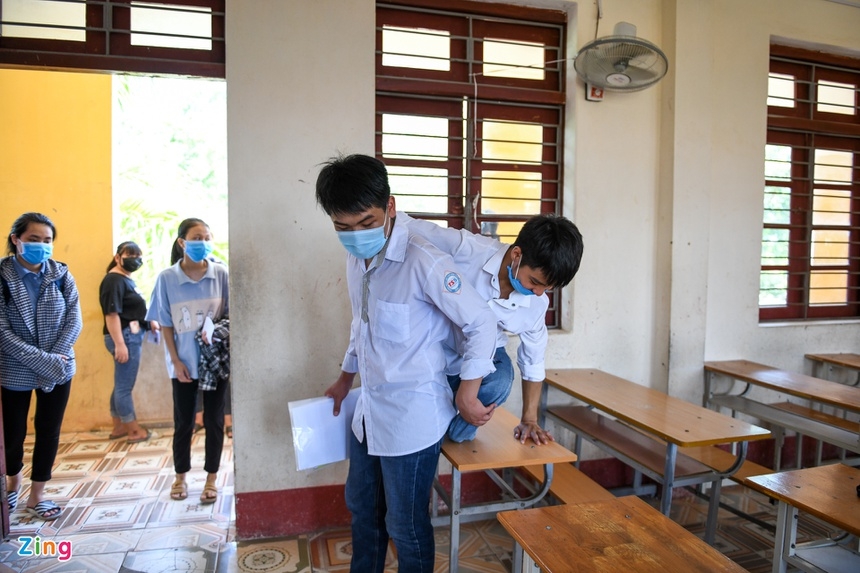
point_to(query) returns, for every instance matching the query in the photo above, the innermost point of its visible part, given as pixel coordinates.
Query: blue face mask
(366, 243)
(518, 286)
(198, 250)
(36, 253)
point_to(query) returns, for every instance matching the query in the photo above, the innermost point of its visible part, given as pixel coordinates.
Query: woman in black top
(125, 326)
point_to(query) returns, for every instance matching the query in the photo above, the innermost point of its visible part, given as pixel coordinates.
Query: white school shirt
(404, 307)
(479, 258)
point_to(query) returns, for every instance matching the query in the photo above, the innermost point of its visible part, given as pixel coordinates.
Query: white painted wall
(665, 184)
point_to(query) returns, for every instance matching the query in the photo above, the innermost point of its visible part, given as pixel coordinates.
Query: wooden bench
(627, 444)
(570, 485)
(722, 460)
(819, 416)
(785, 419)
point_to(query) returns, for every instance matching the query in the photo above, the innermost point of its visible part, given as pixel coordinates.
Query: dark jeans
(50, 408)
(184, 400)
(390, 496)
(495, 389)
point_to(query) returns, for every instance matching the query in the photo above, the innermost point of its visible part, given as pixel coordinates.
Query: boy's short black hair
(553, 245)
(352, 184)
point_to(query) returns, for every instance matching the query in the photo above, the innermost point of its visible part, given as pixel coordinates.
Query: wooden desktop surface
(845, 359)
(623, 534)
(496, 448)
(672, 419)
(828, 492)
(794, 383)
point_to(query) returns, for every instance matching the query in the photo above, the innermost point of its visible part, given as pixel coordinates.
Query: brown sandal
(209, 495)
(179, 490)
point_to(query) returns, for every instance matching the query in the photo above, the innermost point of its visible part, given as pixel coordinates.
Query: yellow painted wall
(55, 158)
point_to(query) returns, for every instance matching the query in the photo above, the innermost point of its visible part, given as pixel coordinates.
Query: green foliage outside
(169, 163)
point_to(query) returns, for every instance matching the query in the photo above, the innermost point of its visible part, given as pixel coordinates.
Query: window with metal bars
(183, 37)
(810, 257)
(469, 113)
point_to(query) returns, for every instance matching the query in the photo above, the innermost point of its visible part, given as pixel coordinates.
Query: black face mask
(131, 264)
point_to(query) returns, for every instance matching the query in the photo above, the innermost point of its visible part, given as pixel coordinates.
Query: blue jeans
(389, 496)
(495, 389)
(125, 375)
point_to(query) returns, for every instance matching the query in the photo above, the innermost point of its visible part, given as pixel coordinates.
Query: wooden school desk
(494, 448)
(669, 422)
(846, 360)
(827, 492)
(622, 534)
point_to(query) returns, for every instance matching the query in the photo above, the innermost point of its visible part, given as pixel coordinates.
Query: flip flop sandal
(43, 510)
(179, 490)
(206, 497)
(12, 499)
(142, 439)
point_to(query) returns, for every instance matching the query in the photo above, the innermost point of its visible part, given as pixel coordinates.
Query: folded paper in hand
(319, 437)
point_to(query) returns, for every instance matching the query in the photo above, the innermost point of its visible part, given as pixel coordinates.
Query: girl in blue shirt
(185, 294)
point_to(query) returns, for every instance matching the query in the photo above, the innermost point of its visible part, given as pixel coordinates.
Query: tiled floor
(119, 518)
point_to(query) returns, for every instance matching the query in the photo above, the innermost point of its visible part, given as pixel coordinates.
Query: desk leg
(668, 478)
(713, 509)
(517, 559)
(784, 539)
(453, 560)
(706, 396)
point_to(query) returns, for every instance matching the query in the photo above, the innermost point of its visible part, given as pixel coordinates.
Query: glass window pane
(835, 97)
(68, 14)
(777, 205)
(828, 287)
(780, 90)
(418, 48)
(510, 193)
(508, 231)
(777, 162)
(831, 207)
(169, 25)
(774, 247)
(832, 166)
(512, 141)
(773, 288)
(830, 247)
(405, 136)
(419, 189)
(510, 59)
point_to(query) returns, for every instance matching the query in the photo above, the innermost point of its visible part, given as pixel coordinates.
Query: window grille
(177, 37)
(810, 258)
(469, 113)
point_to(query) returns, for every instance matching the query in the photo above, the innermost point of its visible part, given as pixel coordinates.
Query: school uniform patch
(453, 284)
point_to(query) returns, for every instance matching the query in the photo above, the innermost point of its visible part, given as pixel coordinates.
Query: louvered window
(176, 37)
(810, 264)
(469, 112)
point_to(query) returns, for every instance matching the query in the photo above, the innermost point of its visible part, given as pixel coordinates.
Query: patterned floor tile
(273, 556)
(207, 536)
(185, 560)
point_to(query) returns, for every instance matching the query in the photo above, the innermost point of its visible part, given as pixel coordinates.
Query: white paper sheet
(318, 436)
(208, 329)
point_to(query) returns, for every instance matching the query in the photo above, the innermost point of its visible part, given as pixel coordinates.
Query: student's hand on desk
(538, 435)
(473, 411)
